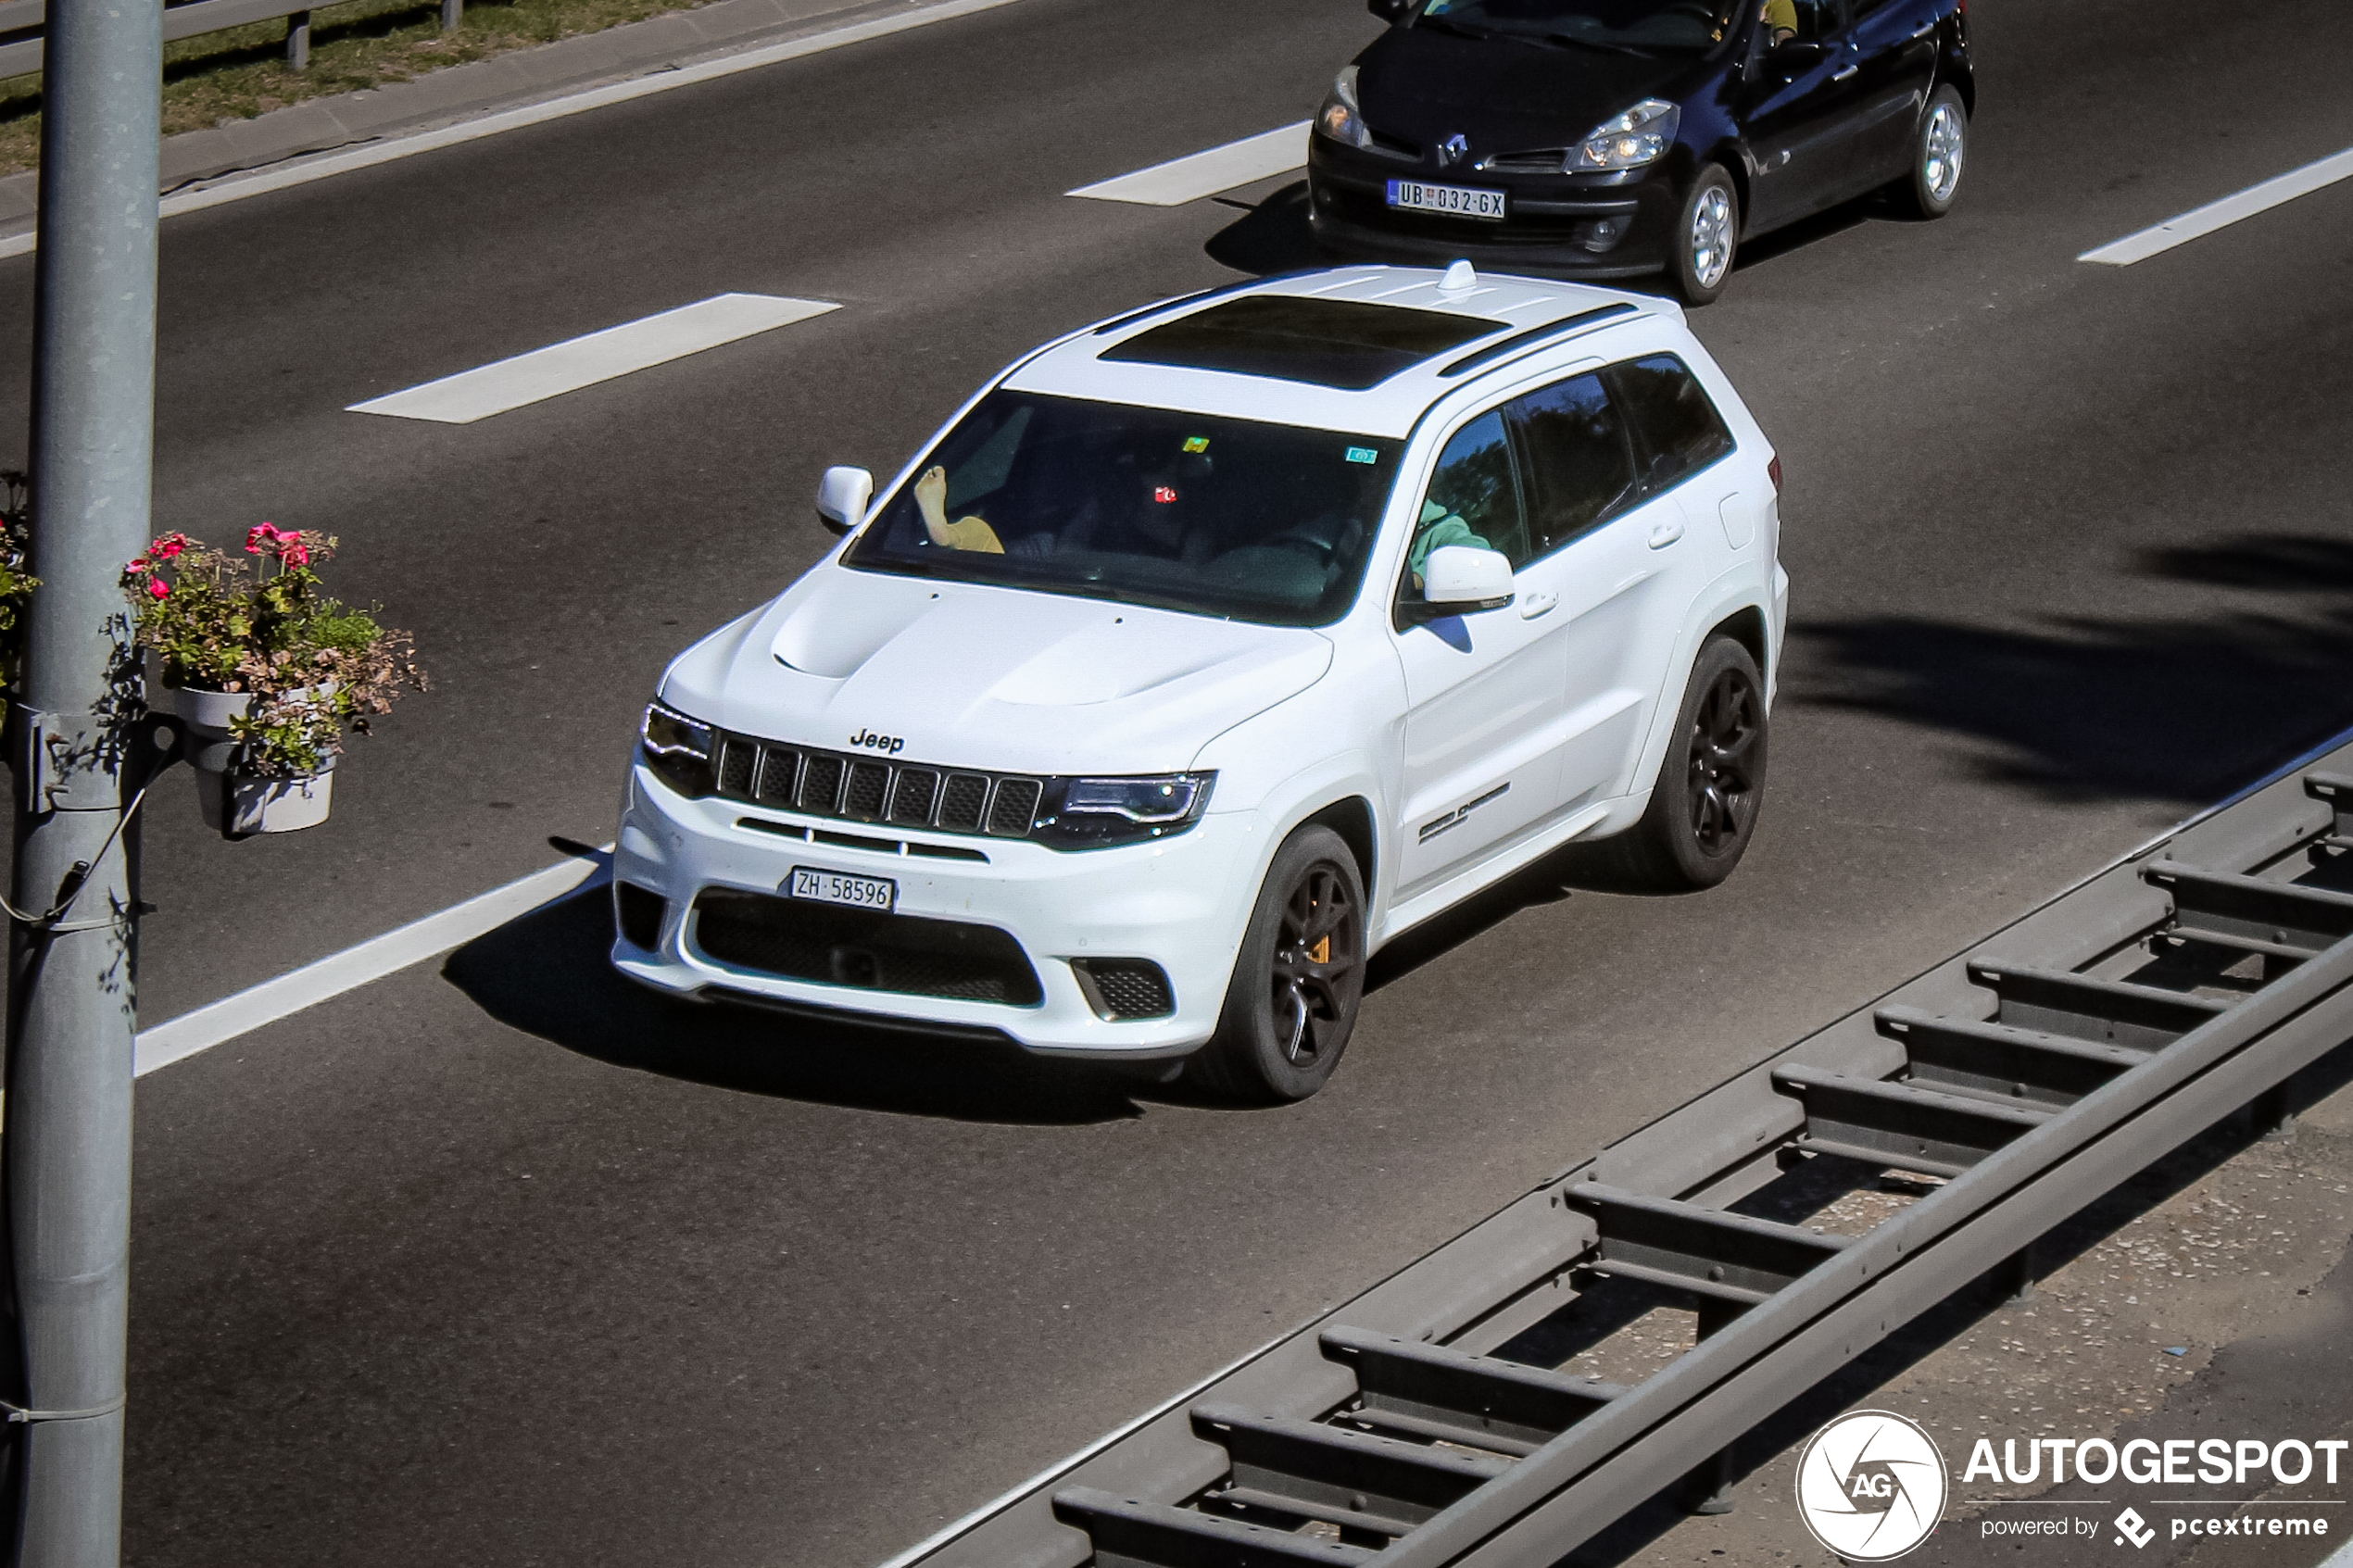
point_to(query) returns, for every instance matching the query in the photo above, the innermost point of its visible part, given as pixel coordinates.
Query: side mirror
(1461, 579)
(1390, 10)
(842, 498)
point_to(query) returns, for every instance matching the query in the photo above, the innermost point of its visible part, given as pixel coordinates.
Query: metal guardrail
(2016, 1084)
(21, 24)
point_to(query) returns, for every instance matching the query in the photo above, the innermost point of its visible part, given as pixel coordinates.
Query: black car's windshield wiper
(1569, 40)
(1443, 25)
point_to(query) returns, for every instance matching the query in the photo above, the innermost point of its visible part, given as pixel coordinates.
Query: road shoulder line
(660, 74)
(180, 1039)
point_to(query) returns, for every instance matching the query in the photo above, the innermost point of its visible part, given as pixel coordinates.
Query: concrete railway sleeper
(1428, 1422)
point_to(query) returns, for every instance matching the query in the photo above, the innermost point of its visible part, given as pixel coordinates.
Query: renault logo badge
(1453, 150)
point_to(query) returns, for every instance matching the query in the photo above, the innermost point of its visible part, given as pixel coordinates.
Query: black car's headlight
(1340, 118)
(677, 748)
(1629, 141)
(1099, 813)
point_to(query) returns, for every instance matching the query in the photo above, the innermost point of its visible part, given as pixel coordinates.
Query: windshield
(1227, 518)
(1639, 26)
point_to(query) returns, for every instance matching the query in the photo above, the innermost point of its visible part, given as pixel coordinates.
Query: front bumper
(1551, 223)
(1181, 903)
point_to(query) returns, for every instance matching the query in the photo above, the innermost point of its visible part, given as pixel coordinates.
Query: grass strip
(240, 72)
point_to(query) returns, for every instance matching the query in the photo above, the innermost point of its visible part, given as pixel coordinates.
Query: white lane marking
(237, 187)
(178, 1038)
(1205, 174)
(2223, 214)
(599, 357)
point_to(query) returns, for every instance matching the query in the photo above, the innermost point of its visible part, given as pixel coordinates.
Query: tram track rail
(1429, 1423)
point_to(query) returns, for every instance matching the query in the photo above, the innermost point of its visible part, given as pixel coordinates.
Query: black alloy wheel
(1711, 783)
(1298, 979)
(1728, 738)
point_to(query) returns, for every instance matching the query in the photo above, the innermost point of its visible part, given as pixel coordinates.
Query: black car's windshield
(1221, 517)
(1633, 26)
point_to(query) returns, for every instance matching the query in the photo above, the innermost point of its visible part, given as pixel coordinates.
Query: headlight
(1340, 119)
(1097, 813)
(677, 748)
(1633, 139)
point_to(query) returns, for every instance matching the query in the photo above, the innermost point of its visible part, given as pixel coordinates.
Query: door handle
(1533, 604)
(1842, 73)
(1666, 534)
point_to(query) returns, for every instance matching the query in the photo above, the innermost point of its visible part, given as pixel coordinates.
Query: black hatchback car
(1608, 138)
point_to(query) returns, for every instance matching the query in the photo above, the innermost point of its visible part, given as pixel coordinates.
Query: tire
(1711, 783)
(1288, 1015)
(1706, 237)
(1939, 153)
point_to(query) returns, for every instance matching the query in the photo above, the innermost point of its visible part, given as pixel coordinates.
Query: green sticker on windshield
(1196, 444)
(1364, 455)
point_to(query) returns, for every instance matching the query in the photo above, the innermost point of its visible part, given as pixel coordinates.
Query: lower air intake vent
(865, 948)
(637, 911)
(1122, 988)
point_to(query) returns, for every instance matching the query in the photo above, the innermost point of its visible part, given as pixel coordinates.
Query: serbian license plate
(1459, 201)
(832, 888)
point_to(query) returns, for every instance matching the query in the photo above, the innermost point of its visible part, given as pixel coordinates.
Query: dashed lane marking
(599, 357)
(2223, 214)
(1204, 174)
(184, 1037)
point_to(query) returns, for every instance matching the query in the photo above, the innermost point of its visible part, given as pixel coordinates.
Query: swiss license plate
(833, 888)
(1459, 201)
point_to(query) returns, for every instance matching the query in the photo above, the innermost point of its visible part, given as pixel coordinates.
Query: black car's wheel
(1707, 234)
(1704, 805)
(1297, 980)
(1938, 150)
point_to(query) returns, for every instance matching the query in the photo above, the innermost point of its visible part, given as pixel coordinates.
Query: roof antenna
(1459, 276)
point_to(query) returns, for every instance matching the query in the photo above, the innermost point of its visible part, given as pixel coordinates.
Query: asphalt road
(500, 1261)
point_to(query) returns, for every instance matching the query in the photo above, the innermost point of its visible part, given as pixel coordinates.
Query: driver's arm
(964, 533)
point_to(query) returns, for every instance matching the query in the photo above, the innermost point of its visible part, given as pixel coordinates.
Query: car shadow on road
(547, 974)
(2178, 708)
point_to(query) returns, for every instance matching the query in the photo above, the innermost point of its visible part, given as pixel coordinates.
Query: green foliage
(16, 582)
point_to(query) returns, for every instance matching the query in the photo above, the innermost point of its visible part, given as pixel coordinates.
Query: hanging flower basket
(266, 669)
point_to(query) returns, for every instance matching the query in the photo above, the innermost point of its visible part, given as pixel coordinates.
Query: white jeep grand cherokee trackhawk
(1208, 650)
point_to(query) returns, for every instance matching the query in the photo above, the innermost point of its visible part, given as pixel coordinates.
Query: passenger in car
(1780, 20)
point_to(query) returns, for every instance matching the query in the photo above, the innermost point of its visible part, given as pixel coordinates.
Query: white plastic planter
(239, 805)
(236, 804)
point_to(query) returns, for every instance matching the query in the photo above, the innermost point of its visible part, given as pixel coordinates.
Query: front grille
(862, 789)
(1119, 988)
(865, 948)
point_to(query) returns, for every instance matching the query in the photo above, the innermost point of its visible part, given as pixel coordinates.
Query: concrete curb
(518, 79)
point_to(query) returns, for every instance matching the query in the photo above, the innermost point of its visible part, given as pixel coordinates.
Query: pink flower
(167, 547)
(139, 564)
(266, 535)
(160, 588)
(294, 555)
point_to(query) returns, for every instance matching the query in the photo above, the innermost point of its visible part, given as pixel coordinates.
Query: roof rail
(1535, 336)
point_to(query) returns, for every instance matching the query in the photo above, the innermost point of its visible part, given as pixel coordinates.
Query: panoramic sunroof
(1341, 344)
